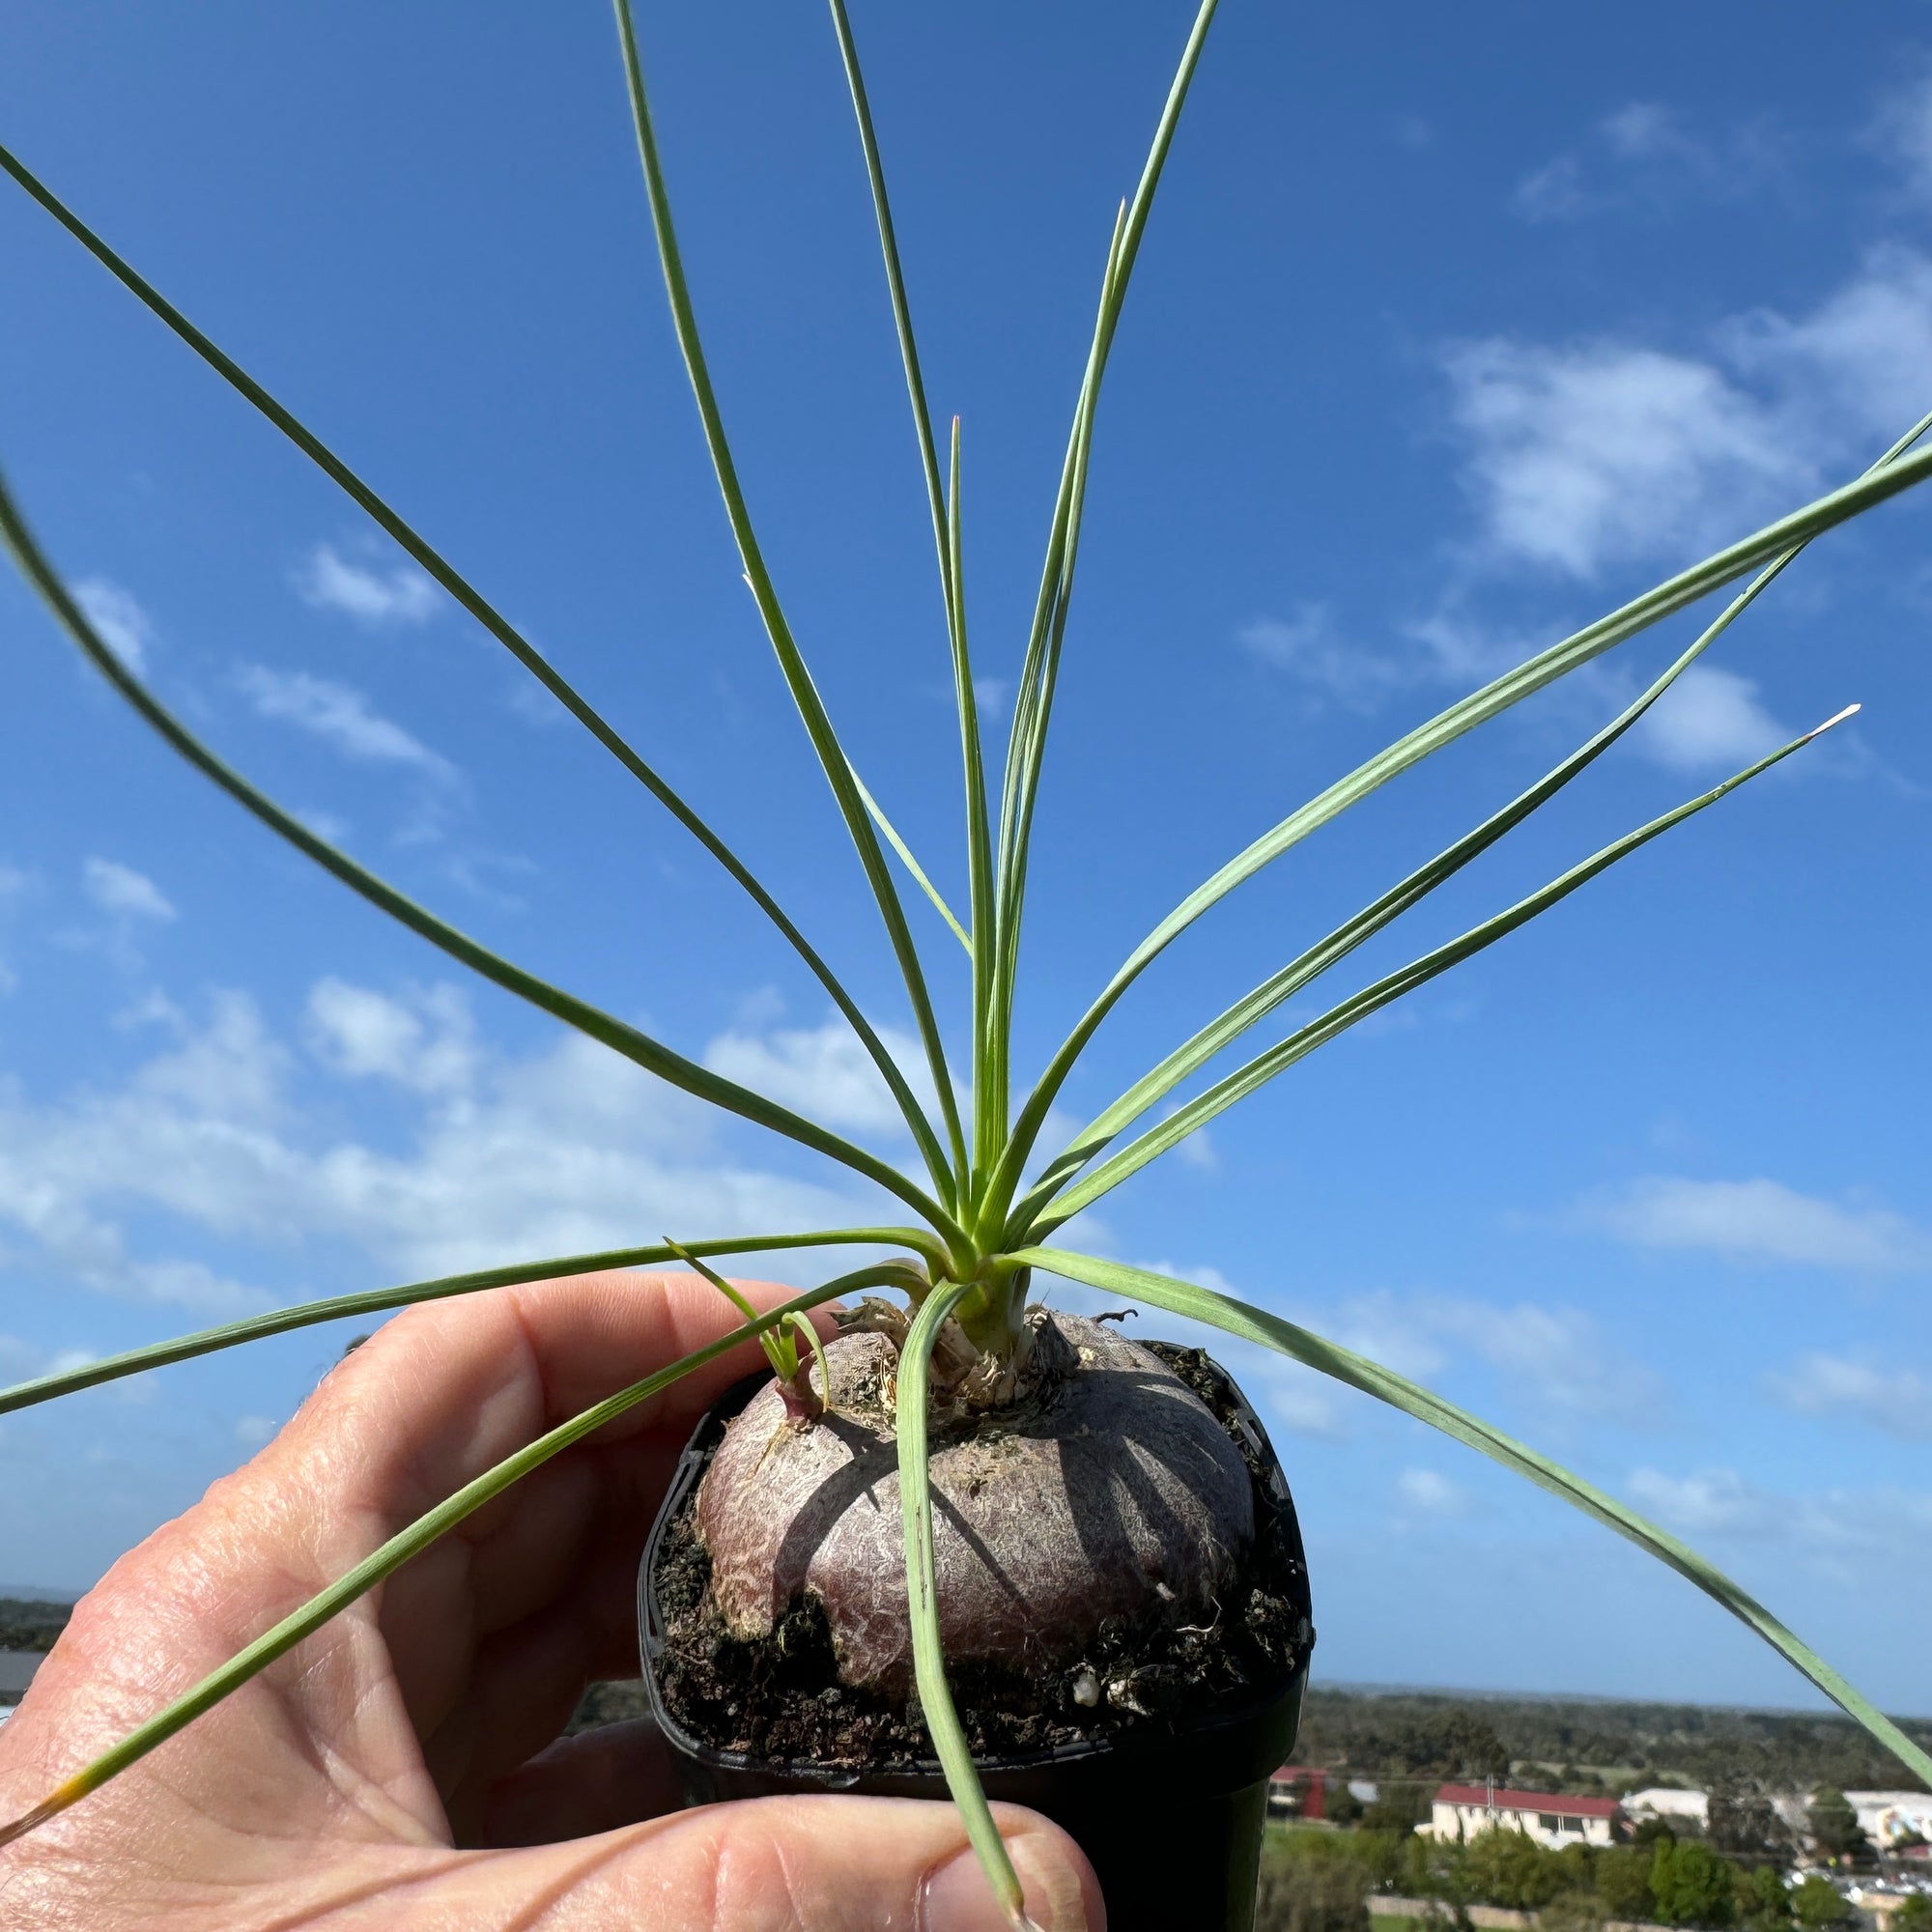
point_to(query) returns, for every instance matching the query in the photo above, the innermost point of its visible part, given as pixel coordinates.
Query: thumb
(794, 1864)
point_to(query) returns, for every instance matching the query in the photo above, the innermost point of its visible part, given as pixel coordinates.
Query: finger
(445, 1392)
(805, 1864)
(596, 1781)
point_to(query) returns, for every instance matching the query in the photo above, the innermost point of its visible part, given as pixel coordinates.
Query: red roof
(1505, 1799)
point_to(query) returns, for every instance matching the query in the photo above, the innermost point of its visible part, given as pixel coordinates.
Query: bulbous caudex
(1078, 1481)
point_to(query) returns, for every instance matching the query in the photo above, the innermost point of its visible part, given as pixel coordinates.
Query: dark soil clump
(779, 1697)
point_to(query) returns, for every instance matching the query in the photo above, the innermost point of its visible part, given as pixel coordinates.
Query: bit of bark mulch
(779, 1697)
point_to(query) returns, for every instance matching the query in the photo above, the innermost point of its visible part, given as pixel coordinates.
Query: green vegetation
(1834, 1826)
(1667, 1882)
(1590, 1744)
(1817, 1906)
(30, 1624)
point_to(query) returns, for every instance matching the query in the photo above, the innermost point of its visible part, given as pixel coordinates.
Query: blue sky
(1449, 333)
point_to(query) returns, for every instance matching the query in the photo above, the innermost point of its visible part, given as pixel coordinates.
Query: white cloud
(1433, 1494)
(340, 717)
(1896, 1399)
(1759, 1220)
(251, 1432)
(822, 1072)
(123, 625)
(989, 695)
(426, 1045)
(1596, 453)
(1557, 1358)
(1841, 1532)
(1601, 453)
(399, 595)
(1553, 1360)
(1310, 647)
(123, 891)
(1710, 717)
(568, 1150)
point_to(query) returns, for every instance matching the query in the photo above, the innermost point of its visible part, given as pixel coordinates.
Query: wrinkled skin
(392, 1770)
(1112, 1494)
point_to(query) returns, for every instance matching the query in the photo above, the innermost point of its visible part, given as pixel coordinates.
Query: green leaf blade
(1359, 1372)
(443, 1288)
(936, 1694)
(825, 743)
(1042, 1214)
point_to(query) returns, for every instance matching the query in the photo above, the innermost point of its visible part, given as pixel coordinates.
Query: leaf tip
(1837, 718)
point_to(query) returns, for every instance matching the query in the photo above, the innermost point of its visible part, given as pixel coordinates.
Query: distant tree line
(1556, 1744)
(1323, 1881)
(31, 1625)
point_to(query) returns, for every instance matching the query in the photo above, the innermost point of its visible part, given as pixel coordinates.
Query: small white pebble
(1086, 1690)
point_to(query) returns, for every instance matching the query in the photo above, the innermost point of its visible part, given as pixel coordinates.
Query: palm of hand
(392, 1769)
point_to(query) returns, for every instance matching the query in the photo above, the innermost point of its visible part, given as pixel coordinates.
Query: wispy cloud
(1645, 157)
(1842, 1526)
(121, 891)
(1902, 130)
(1310, 647)
(824, 1072)
(1582, 457)
(1427, 1492)
(1896, 1400)
(1709, 718)
(341, 717)
(398, 595)
(567, 1149)
(1758, 1220)
(124, 626)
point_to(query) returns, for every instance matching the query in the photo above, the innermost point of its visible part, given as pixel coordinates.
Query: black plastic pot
(1169, 1812)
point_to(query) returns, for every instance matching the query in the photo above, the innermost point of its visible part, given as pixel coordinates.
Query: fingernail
(959, 1895)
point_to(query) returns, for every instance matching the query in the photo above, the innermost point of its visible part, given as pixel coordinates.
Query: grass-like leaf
(1042, 1217)
(1034, 703)
(935, 1695)
(832, 756)
(438, 567)
(410, 1542)
(1256, 1324)
(910, 862)
(602, 1027)
(1534, 674)
(942, 505)
(380, 1301)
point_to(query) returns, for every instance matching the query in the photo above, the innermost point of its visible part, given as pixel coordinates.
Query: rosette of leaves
(991, 1195)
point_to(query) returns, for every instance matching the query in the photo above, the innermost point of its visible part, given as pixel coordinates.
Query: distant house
(1301, 1791)
(1675, 1806)
(1549, 1817)
(1893, 1818)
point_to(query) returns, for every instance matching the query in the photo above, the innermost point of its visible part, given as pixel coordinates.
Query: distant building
(1667, 1802)
(1301, 1791)
(1891, 1818)
(1549, 1817)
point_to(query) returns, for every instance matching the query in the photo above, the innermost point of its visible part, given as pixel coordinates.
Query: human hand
(397, 1769)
